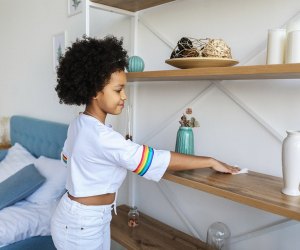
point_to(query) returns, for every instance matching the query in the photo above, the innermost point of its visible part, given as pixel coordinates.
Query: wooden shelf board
(150, 234)
(278, 71)
(131, 5)
(254, 189)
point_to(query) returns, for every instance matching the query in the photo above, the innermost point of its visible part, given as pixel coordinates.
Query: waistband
(71, 203)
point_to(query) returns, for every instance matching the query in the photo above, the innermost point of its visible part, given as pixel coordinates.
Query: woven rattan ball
(216, 48)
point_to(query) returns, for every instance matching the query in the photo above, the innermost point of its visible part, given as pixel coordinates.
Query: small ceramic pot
(135, 64)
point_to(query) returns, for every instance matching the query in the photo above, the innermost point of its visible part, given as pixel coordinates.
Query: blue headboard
(40, 137)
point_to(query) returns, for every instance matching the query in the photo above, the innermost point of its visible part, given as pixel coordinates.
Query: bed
(40, 142)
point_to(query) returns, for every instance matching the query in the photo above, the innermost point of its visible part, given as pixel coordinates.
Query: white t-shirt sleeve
(64, 156)
(140, 159)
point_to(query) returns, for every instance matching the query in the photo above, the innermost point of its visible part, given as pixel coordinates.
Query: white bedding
(24, 220)
(30, 217)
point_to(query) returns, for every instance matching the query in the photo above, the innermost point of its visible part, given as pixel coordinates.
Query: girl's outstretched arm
(187, 162)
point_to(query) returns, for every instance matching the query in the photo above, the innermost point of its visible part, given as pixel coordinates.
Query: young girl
(91, 73)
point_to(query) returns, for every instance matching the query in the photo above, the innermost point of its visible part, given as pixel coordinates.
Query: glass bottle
(133, 217)
(218, 235)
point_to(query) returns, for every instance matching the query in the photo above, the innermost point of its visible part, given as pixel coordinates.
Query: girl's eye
(118, 90)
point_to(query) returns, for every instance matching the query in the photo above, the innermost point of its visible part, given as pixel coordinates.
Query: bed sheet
(24, 220)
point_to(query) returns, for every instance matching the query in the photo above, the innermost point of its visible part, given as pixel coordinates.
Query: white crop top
(97, 158)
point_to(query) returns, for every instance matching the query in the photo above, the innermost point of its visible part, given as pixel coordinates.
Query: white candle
(293, 47)
(276, 46)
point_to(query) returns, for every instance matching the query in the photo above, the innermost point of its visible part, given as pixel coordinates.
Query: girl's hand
(224, 168)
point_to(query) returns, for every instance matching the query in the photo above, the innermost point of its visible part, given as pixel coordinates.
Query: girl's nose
(123, 95)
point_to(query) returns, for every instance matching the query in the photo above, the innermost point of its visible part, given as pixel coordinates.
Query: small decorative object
(216, 48)
(135, 64)
(203, 47)
(198, 53)
(276, 46)
(133, 217)
(185, 135)
(59, 42)
(187, 47)
(218, 235)
(185, 141)
(291, 163)
(293, 47)
(74, 7)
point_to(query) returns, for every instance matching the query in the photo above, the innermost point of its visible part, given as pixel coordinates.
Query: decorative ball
(216, 48)
(184, 43)
(135, 64)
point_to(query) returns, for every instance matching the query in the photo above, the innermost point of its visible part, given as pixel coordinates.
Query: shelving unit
(150, 234)
(279, 71)
(254, 189)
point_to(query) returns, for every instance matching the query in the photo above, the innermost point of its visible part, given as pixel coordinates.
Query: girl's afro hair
(86, 68)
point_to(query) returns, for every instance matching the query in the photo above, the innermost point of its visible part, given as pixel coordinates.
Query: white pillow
(17, 158)
(54, 186)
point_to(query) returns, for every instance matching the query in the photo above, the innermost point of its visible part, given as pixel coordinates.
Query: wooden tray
(200, 62)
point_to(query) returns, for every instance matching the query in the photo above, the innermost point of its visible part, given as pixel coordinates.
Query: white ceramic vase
(291, 163)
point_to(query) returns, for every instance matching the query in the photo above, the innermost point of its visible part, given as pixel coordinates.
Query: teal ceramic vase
(185, 141)
(135, 64)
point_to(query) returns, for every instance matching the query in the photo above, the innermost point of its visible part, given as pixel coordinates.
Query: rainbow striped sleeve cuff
(64, 158)
(145, 162)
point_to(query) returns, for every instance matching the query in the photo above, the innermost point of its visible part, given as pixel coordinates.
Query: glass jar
(133, 217)
(218, 235)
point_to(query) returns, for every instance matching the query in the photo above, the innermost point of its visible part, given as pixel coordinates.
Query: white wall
(27, 78)
(228, 129)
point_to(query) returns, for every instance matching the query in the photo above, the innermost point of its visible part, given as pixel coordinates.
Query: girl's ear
(96, 96)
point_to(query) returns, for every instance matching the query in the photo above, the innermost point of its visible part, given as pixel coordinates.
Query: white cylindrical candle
(293, 47)
(276, 46)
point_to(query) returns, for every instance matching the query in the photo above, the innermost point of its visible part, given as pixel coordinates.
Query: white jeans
(75, 226)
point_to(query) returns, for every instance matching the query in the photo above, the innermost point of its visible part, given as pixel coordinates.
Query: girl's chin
(117, 112)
